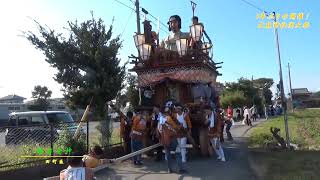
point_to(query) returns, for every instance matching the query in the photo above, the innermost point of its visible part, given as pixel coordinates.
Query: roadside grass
(304, 130)
(285, 165)
(95, 136)
(11, 155)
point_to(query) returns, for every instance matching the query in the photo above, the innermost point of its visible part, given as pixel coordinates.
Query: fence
(27, 145)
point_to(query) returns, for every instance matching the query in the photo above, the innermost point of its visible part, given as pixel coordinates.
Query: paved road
(236, 167)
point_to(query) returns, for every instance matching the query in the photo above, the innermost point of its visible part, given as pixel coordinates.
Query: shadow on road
(236, 167)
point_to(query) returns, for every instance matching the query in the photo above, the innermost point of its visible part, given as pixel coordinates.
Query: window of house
(61, 107)
(17, 108)
(10, 108)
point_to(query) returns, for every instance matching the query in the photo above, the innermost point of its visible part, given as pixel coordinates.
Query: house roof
(12, 97)
(52, 101)
(300, 91)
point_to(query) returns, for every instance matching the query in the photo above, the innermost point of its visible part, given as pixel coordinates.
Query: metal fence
(29, 144)
(23, 146)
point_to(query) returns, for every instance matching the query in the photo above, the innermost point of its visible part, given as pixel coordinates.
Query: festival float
(186, 75)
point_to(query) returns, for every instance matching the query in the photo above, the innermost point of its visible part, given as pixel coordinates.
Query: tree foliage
(86, 61)
(256, 91)
(233, 98)
(264, 84)
(41, 96)
(132, 91)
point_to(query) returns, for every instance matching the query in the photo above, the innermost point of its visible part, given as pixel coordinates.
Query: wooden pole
(83, 119)
(283, 102)
(290, 87)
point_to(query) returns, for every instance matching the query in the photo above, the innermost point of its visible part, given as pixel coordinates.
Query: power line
(125, 5)
(254, 6)
(159, 20)
(147, 13)
(126, 23)
(160, 27)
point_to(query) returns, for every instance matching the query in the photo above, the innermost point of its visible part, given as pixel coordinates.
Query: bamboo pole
(83, 119)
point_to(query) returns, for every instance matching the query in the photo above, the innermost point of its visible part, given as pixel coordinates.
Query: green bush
(233, 98)
(304, 129)
(66, 140)
(261, 139)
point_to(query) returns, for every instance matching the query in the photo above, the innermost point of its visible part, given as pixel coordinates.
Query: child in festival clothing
(214, 123)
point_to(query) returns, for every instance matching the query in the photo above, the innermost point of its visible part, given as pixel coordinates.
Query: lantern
(182, 45)
(206, 47)
(144, 50)
(139, 39)
(196, 32)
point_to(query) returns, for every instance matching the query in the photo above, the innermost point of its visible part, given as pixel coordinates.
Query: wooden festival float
(166, 76)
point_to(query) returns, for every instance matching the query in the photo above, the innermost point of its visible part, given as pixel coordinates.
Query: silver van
(38, 126)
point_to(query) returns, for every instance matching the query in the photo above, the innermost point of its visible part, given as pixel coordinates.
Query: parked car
(38, 126)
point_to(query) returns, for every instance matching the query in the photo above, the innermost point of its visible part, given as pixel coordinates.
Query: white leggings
(217, 147)
(182, 142)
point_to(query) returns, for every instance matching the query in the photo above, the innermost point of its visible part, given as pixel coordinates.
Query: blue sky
(232, 25)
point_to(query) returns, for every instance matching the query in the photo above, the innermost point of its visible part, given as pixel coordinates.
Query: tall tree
(233, 98)
(255, 91)
(41, 96)
(87, 64)
(264, 85)
(132, 91)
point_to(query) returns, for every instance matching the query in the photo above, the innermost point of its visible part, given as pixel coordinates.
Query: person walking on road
(214, 121)
(137, 135)
(229, 122)
(222, 125)
(254, 112)
(266, 111)
(168, 129)
(184, 120)
(247, 116)
(155, 135)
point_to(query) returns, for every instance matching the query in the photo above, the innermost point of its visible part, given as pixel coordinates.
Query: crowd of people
(171, 126)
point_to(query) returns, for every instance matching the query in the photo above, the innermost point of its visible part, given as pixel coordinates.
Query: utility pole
(284, 105)
(138, 16)
(290, 87)
(138, 32)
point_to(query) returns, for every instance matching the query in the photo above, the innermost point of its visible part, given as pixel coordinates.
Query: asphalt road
(236, 167)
